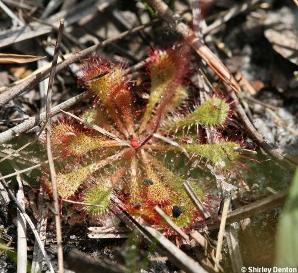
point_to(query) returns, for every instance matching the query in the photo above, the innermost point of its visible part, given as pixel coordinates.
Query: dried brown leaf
(9, 58)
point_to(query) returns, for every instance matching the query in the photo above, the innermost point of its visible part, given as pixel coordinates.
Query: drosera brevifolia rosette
(123, 153)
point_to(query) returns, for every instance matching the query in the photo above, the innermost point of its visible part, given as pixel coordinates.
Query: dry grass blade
(21, 226)
(108, 232)
(257, 207)
(10, 58)
(184, 262)
(171, 142)
(15, 19)
(42, 229)
(221, 232)
(23, 171)
(16, 4)
(199, 239)
(171, 224)
(52, 5)
(15, 152)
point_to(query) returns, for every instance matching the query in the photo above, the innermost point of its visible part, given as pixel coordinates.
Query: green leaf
(99, 196)
(82, 144)
(287, 235)
(4, 247)
(216, 153)
(212, 112)
(150, 10)
(97, 116)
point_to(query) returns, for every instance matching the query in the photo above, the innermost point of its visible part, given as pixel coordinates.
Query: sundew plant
(119, 148)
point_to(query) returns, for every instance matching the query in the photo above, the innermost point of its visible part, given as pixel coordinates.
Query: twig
(15, 152)
(267, 203)
(50, 155)
(171, 223)
(21, 226)
(43, 86)
(68, 36)
(256, 101)
(24, 170)
(245, 84)
(221, 232)
(281, 122)
(53, 70)
(30, 223)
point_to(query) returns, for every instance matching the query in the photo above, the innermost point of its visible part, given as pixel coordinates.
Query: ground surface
(257, 43)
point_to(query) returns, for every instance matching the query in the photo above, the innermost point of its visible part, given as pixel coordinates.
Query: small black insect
(148, 182)
(177, 211)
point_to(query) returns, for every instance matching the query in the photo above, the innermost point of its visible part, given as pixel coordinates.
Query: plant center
(134, 143)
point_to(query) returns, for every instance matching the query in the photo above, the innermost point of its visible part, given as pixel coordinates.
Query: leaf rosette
(125, 155)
